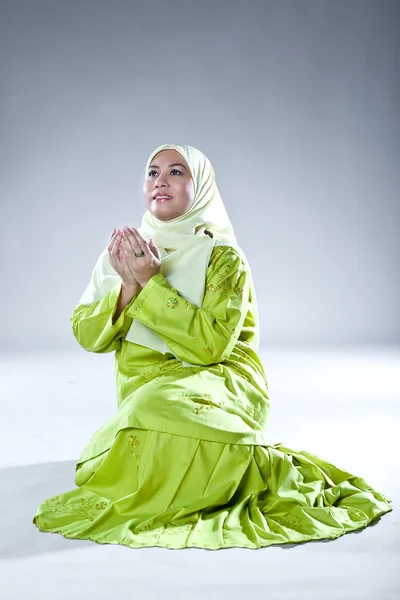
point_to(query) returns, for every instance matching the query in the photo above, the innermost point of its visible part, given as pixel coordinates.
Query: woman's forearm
(125, 296)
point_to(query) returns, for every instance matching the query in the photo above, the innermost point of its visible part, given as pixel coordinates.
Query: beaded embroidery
(202, 403)
(292, 521)
(224, 290)
(200, 409)
(84, 507)
(166, 369)
(41, 523)
(253, 412)
(144, 527)
(273, 526)
(244, 346)
(338, 511)
(163, 529)
(133, 442)
(168, 528)
(240, 371)
(172, 302)
(189, 306)
(173, 528)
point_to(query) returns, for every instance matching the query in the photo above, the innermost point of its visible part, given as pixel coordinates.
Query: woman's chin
(162, 211)
(162, 214)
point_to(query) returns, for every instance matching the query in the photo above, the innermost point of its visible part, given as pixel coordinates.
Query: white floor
(342, 404)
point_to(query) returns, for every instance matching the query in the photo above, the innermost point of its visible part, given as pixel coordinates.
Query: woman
(185, 460)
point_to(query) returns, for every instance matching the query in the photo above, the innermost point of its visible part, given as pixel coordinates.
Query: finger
(154, 249)
(131, 239)
(124, 256)
(143, 246)
(120, 254)
(114, 240)
(121, 250)
(139, 237)
(111, 236)
(115, 245)
(119, 242)
(111, 243)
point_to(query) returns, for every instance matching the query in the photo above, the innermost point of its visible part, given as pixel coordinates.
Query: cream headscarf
(184, 247)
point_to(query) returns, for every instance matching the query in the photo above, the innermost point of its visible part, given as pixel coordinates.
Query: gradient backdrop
(296, 104)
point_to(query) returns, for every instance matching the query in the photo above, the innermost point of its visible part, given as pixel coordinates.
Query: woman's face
(164, 176)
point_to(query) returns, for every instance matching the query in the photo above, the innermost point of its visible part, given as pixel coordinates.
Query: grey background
(294, 102)
(296, 105)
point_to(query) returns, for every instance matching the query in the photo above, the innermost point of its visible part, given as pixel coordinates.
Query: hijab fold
(184, 244)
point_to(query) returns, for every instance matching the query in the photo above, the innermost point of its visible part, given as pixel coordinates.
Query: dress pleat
(152, 488)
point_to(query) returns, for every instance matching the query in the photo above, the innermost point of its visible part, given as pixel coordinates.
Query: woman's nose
(160, 180)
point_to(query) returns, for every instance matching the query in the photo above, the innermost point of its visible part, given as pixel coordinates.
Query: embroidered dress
(185, 460)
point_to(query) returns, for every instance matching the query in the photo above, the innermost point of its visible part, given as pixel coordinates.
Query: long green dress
(185, 460)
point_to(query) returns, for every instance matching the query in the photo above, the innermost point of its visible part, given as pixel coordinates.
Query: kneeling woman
(185, 460)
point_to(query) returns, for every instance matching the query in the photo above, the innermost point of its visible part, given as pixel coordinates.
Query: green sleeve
(92, 325)
(204, 335)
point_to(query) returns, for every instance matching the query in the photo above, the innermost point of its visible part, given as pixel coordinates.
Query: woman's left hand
(142, 267)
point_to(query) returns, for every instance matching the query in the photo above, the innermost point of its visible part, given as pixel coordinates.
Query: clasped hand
(133, 270)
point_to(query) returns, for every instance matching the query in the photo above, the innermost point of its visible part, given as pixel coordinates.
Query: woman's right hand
(115, 248)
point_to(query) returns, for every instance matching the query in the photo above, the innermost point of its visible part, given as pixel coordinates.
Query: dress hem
(156, 544)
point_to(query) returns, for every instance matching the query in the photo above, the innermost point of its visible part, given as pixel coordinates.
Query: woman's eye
(177, 170)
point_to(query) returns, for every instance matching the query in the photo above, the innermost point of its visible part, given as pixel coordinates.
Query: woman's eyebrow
(173, 165)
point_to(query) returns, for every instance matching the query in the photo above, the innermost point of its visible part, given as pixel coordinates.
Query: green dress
(185, 460)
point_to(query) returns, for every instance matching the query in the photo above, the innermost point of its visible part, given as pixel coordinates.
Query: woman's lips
(162, 199)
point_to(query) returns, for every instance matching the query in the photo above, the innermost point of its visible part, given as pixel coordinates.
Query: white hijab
(184, 247)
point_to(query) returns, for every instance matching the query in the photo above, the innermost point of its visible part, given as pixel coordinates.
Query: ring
(141, 254)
